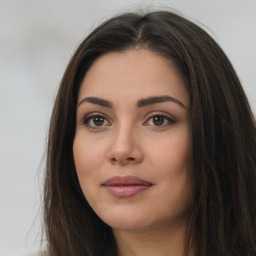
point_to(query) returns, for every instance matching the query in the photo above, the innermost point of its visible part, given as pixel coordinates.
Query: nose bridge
(124, 137)
(125, 146)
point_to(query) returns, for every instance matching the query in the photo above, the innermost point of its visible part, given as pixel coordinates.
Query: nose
(125, 148)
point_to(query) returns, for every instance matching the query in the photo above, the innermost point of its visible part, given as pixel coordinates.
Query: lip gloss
(126, 186)
(126, 190)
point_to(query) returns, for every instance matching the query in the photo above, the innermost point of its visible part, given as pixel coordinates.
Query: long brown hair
(223, 214)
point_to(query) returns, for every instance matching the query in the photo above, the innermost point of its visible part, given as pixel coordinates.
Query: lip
(126, 186)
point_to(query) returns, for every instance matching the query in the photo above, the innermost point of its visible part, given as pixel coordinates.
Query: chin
(135, 223)
(127, 222)
(129, 225)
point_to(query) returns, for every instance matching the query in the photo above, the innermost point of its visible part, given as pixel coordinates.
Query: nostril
(130, 158)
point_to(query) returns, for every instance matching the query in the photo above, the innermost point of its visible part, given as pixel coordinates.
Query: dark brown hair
(223, 215)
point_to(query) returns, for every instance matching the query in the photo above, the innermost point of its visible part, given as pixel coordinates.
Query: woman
(152, 146)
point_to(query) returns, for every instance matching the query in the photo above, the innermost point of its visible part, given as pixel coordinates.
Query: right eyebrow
(97, 101)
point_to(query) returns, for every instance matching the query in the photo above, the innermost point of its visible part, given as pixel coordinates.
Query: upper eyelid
(151, 114)
(91, 115)
(87, 118)
(160, 113)
(155, 112)
(170, 119)
(163, 114)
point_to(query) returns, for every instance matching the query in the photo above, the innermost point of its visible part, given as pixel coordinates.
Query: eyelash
(86, 120)
(167, 119)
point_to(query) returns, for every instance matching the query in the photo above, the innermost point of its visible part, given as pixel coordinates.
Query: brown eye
(98, 121)
(158, 120)
(95, 121)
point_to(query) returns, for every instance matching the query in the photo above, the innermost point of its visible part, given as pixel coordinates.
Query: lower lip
(126, 191)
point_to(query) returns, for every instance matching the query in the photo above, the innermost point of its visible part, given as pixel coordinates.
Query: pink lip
(126, 186)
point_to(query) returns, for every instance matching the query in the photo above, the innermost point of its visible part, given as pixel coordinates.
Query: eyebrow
(159, 99)
(97, 101)
(140, 103)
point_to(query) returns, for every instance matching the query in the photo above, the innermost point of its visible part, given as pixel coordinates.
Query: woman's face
(132, 145)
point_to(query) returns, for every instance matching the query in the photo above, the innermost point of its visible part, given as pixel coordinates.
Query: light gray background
(37, 38)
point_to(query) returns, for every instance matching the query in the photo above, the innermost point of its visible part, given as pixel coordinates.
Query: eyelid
(169, 117)
(87, 117)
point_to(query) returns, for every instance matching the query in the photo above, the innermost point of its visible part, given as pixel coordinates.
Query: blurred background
(37, 39)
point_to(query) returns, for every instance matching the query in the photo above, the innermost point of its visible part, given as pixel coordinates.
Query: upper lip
(126, 181)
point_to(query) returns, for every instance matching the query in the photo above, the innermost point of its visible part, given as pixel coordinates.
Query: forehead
(133, 74)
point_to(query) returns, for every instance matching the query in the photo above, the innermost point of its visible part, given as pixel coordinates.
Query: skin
(128, 140)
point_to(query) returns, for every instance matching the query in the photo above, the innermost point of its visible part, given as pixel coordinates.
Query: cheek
(88, 160)
(172, 151)
(171, 158)
(88, 156)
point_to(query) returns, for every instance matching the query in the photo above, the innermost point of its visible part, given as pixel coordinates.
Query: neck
(152, 242)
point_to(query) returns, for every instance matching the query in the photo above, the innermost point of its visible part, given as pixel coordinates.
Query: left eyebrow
(159, 99)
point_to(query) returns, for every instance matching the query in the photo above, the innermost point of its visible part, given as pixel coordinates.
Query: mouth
(126, 186)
